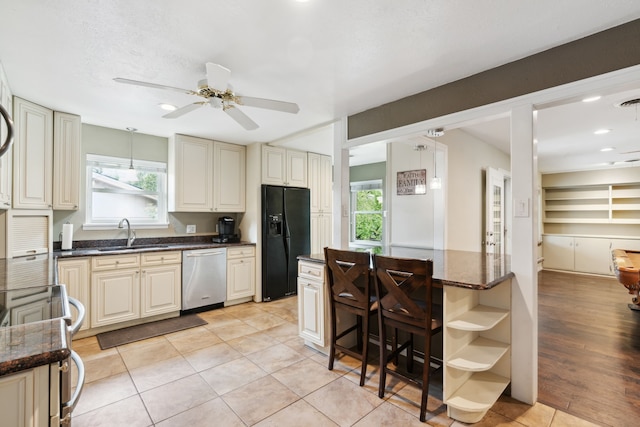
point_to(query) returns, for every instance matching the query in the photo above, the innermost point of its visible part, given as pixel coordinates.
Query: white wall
(468, 158)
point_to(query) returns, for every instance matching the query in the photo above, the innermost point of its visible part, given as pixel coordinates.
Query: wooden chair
(349, 282)
(403, 287)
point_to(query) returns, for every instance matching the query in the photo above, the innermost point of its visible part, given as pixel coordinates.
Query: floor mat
(148, 330)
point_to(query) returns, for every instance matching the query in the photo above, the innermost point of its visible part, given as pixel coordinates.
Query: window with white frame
(116, 191)
(367, 219)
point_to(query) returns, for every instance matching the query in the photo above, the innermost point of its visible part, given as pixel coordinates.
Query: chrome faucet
(131, 234)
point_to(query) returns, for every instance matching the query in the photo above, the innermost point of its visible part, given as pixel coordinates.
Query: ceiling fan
(217, 92)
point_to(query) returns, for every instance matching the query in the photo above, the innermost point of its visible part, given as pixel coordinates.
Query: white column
(524, 297)
(341, 190)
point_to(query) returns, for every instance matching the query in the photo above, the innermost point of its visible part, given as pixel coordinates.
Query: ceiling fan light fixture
(167, 107)
(591, 98)
(601, 131)
(605, 149)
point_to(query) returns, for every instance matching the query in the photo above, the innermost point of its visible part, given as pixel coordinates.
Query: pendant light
(131, 131)
(420, 188)
(436, 183)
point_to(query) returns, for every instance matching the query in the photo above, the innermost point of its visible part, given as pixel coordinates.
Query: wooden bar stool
(349, 281)
(403, 287)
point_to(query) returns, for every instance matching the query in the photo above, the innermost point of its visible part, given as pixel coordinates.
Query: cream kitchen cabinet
(320, 178)
(320, 231)
(24, 397)
(6, 170)
(284, 167)
(32, 156)
(74, 273)
(313, 306)
(229, 172)
(241, 272)
(190, 169)
(134, 286)
(161, 279)
(66, 161)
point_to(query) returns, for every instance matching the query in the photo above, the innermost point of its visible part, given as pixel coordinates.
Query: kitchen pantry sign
(412, 182)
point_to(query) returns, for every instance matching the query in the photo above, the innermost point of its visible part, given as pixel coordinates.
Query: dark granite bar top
(33, 344)
(472, 270)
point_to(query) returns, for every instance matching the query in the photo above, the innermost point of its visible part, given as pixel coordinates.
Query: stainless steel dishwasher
(204, 278)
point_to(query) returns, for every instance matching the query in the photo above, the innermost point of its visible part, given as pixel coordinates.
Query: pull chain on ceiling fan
(217, 92)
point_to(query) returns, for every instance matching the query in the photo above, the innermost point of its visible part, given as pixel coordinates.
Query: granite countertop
(39, 343)
(33, 344)
(472, 270)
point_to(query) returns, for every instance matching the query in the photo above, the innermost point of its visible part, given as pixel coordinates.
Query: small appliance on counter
(226, 231)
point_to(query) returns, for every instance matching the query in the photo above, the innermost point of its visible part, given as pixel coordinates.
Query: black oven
(36, 304)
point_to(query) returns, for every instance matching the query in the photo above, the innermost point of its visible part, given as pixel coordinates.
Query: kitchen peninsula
(476, 298)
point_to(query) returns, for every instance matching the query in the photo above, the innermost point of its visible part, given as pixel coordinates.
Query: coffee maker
(226, 231)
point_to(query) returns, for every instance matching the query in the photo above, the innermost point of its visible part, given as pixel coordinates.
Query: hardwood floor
(589, 348)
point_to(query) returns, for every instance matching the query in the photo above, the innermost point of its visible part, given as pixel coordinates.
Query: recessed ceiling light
(167, 107)
(591, 98)
(607, 149)
(602, 131)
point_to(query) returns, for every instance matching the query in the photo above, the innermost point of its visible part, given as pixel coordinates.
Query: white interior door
(495, 228)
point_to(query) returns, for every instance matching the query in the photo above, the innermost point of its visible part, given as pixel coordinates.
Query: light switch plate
(521, 208)
(191, 228)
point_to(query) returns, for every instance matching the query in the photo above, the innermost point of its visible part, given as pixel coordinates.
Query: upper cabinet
(6, 178)
(320, 178)
(32, 156)
(229, 177)
(206, 176)
(284, 167)
(66, 161)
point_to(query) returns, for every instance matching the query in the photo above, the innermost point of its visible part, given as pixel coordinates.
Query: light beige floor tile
(231, 375)
(265, 321)
(276, 357)
(298, 345)
(104, 392)
(491, 420)
(159, 373)
(141, 343)
(259, 399)
(372, 380)
(341, 364)
(89, 349)
(193, 339)
(305, 376)
(220, 320)
(230, 332)
(97, 368)
(283, 332)
(209, 357)
(176, 397)
(389, 415)
(211, 413)
(129, 412)
(408, 399)
(147, 353)
(244, 311)
(343, 401)
(299, 414)
(538, 415)
(252, 343)
(562, 419)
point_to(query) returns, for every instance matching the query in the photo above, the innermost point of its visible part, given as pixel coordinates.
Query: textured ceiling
(332, 57)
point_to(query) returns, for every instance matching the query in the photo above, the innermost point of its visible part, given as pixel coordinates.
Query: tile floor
(248, 367)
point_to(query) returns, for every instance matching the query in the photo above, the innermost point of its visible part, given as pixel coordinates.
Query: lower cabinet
(115, 296)
(312, 309)
(161, 283)
(241, 272)
(74, 273)
(582, 254)
(24, 397)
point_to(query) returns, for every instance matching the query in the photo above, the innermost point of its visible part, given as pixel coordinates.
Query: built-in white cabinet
(229, 171)
(134, 286)
(319, 180)
(32, 156)
(206, 176)
(24, 397)
(241, 272)
(74, 273)
(190, 169)
(477, 349)
(313, 306)
(161, 278)
(66, 161)
(284, 167)
(6, 170)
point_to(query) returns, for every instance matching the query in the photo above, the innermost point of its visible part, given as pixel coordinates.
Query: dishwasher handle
(203, 254)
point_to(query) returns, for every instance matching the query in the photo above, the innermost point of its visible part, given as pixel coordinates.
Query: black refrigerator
(286, 233)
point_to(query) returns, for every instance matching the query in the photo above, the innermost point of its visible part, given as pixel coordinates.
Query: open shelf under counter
(480, 318)
(480, 355)
(477, 395)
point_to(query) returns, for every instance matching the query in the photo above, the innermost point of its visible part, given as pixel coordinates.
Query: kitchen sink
(124, 248)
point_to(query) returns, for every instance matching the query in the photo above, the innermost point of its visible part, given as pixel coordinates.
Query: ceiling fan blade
(153, 85)
(271, 104)
(184, 110)
(217, 76)
(240, 117)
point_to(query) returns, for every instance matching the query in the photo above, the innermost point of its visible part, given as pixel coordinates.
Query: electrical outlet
(191, 228)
